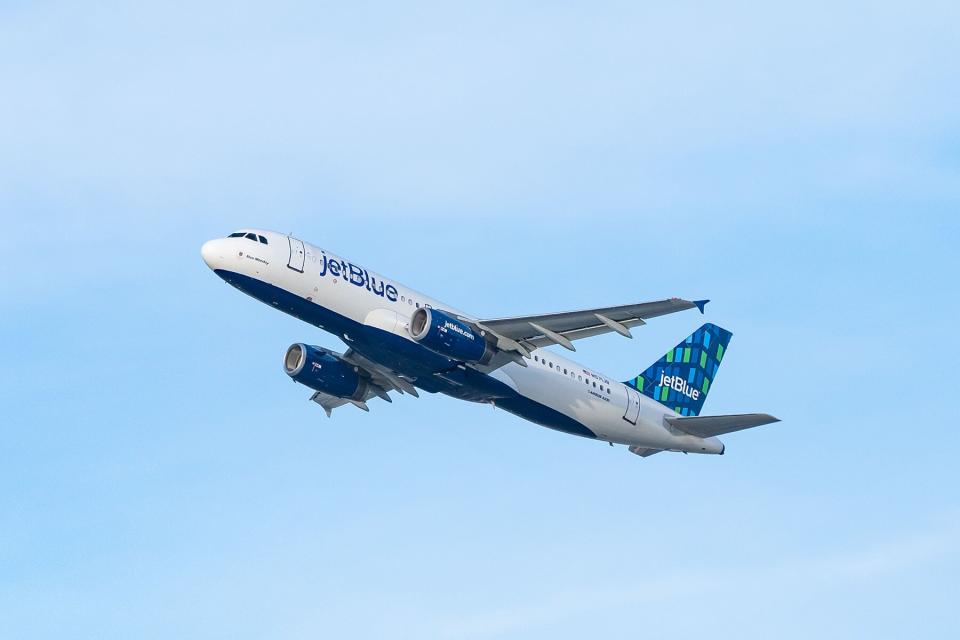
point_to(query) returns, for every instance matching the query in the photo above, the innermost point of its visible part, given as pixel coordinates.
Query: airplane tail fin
(682, 378)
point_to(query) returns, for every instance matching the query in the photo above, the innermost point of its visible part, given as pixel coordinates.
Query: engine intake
(444, 334)
(324, 370)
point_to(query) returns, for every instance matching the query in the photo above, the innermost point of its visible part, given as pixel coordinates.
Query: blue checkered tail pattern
(682, 378)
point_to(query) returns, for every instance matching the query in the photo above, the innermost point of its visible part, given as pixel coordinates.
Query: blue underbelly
(430, 371)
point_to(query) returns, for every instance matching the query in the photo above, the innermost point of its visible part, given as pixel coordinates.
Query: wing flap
(596, 329)
(380, 375)
(642, 452)
(328, 402)
(710, 426)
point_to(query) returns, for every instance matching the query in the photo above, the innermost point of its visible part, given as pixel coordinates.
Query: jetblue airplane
(401, 340)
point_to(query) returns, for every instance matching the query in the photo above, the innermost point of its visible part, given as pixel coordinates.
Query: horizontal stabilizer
(709, 426)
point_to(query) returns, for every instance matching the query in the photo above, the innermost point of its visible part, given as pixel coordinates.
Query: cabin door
(633, 406)
(297, 254)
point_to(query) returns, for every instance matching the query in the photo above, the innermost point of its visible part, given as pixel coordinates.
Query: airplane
(400, 340)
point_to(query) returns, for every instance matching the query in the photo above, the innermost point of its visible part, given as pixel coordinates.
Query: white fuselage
(613, 411)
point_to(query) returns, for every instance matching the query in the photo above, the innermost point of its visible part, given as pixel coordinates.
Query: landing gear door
(633, 406)
(297, 254)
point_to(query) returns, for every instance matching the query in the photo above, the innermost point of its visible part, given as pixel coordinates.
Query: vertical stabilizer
(682, 378)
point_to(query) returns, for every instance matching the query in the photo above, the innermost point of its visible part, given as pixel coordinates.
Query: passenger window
(564, 372)
(594, 385)
(580, 378)
(262, 240)
(551, 365)
(536, 358)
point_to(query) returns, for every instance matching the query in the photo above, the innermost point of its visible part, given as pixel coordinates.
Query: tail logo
(679, 385)
(681, 379)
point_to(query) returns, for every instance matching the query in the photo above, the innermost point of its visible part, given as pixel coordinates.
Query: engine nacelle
(444, 334)
(323, 370)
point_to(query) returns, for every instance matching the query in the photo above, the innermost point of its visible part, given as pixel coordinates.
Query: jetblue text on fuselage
(357, 276)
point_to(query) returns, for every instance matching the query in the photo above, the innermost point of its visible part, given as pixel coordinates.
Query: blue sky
(800, 166)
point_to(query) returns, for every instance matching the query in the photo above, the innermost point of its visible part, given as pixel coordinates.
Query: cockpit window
(248, 236)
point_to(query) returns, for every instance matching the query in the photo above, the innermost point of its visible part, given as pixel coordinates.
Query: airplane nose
(211, 254)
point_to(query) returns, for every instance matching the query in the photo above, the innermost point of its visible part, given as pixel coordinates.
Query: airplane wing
(523, 334)
(709, 426)
(380, 381)
(379, 375)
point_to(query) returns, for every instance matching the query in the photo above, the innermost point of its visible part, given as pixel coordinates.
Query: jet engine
(322, 370)
(444, 334)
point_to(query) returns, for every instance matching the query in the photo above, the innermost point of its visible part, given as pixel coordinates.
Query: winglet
(701, 304)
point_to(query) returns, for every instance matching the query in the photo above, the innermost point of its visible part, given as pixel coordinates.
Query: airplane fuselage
(372, 314)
